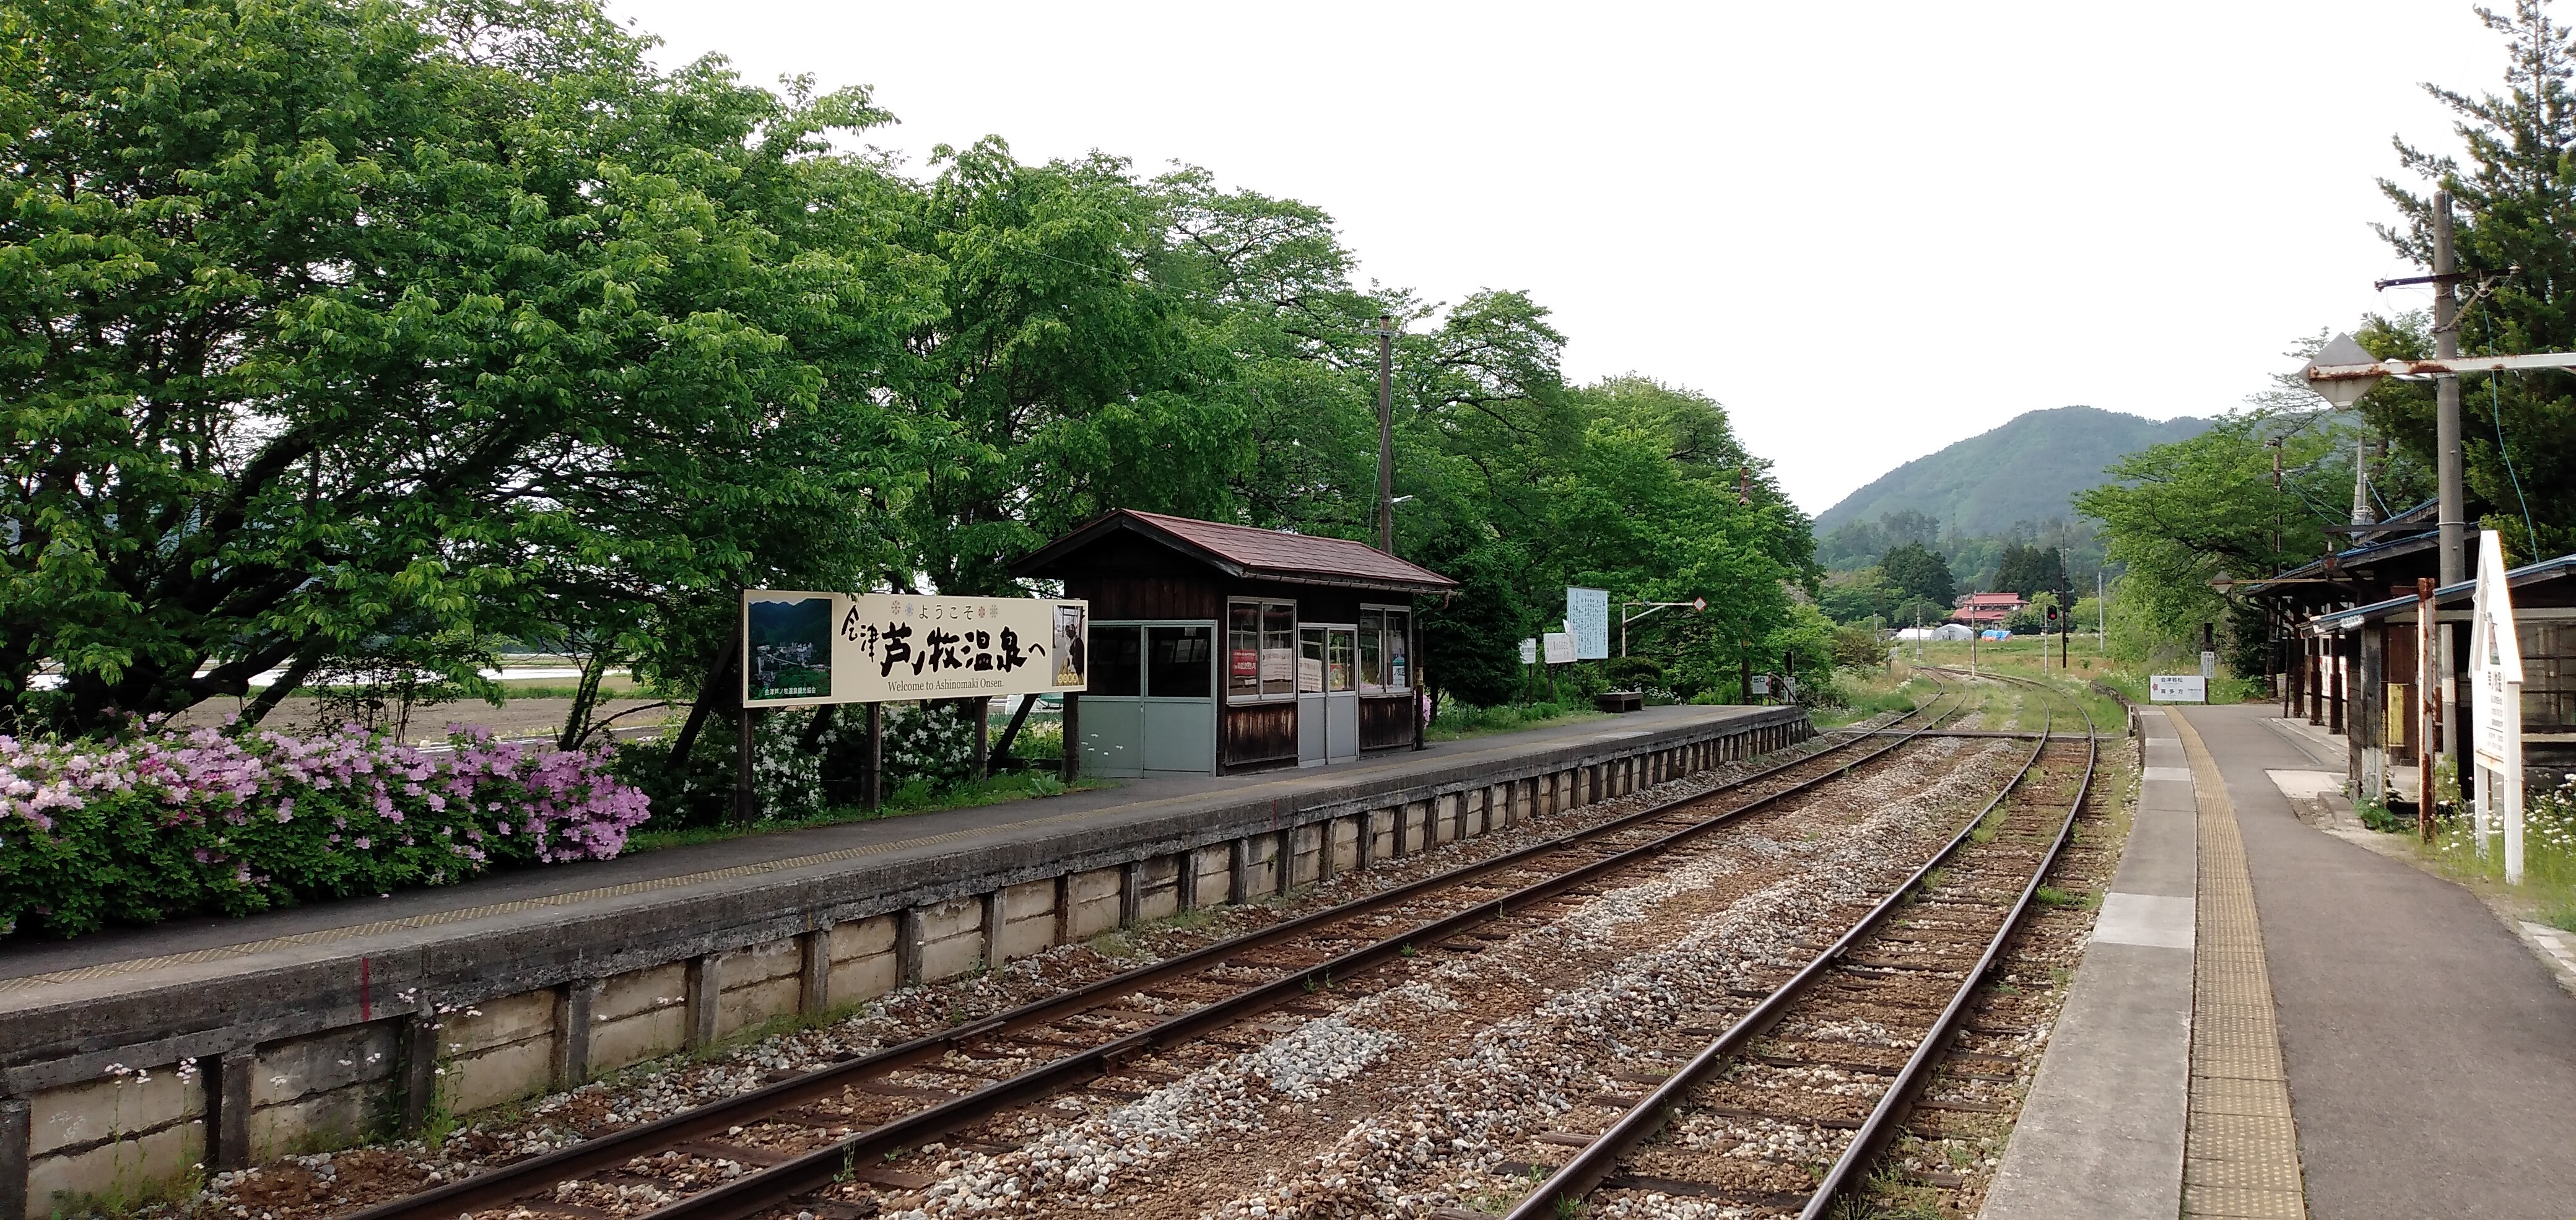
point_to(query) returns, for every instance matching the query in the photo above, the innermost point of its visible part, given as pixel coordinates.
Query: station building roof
(1242, 552)
(2550, 584)
(2393, 551)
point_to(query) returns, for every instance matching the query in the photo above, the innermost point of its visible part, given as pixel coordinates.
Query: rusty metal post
(872, 793)
(1069, 768)
(2428, 702)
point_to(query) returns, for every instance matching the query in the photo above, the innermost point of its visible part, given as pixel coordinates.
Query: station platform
(2358, 1037)
(1124, 803)
(305, 1024)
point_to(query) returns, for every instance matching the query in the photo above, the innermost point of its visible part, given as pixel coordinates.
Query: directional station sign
(2495, 678)
(803, 649)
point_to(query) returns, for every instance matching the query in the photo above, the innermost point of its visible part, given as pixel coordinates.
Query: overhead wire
(2495, 415)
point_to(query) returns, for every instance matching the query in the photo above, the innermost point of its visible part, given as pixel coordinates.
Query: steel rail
(751, 1194)
(1881, 1125)
(522, 1178)
(1583, 1174)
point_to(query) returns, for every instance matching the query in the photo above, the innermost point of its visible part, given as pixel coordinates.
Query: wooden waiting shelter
(2380, 640)
(1218, 648)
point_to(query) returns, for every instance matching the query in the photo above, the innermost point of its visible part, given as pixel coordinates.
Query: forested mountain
(2028, 470)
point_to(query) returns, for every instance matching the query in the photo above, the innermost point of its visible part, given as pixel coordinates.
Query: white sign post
(1587, 619)
(1560, 648)
(2177, 688)
(2495, 676)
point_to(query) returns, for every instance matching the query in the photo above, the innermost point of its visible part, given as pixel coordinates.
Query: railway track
(1839, 1054)
(748, 1155)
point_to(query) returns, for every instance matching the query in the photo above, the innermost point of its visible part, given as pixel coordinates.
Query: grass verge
(1458, 721)
(2548, 890)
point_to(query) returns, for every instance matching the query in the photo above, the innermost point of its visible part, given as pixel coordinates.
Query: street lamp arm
(1696, 604)
(2436, 368)
(1626, 618)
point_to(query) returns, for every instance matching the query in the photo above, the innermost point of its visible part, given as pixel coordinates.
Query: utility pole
(2446, 389)
(1385, 333)
(2276, 444)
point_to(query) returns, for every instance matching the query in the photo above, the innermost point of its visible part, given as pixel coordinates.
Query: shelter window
(1310, 661)
(1261, 651)
(1176, 662)
(1385, 649)
(1117, 659)
(2548, 676)
(1339, 666)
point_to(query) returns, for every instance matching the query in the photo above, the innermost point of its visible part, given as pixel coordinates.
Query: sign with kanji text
(2495, 682)
(803, 649)
(2177, 688)
(1587, 619)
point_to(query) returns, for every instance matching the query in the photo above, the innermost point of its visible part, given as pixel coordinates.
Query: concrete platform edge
(2101, 1132)
(61, 1032)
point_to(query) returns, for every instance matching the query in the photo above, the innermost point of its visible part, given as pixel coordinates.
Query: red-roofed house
(1222, 648)
(1986, 609)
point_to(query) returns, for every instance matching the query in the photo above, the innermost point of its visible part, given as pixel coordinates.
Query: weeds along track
(1785, 1110)
(845, 1124)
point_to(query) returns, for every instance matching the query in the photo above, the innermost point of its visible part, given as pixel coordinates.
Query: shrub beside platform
(161, 824)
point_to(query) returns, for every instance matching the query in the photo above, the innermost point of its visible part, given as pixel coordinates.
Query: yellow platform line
(2241, 1147)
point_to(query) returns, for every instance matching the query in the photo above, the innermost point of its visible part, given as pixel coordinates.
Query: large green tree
(1920, 573)
(2180, 516)
(344, 325)
(2515, 190)
(352, 333)
(332, 322)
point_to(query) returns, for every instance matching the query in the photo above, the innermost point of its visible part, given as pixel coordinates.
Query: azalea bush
(157, 823)
(795, 775)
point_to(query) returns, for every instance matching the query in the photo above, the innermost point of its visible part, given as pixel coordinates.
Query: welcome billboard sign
(801, 649)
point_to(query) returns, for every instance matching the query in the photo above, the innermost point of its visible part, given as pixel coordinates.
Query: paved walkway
(2431, 1057)
(1128, 801)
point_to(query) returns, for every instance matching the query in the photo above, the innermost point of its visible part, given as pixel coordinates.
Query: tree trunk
(266, 701)
(584, 698)
(719, 669)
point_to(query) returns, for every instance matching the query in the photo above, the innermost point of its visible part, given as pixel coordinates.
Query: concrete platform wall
(127, 1121)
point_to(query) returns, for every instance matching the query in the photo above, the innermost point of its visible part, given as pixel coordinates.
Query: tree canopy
(349, 331)
(2515, 200)
(1918, 572)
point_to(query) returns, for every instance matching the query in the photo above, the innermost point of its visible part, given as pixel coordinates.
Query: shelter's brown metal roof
(1245, 552)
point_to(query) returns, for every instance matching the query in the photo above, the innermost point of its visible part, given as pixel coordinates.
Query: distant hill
(2027, 470)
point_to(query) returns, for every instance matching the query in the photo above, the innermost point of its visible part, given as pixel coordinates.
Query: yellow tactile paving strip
(2241, 1149)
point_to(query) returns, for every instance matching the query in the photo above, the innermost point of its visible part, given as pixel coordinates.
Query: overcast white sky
(1869, 229)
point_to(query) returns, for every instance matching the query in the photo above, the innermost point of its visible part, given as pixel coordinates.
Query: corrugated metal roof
(1243, 550)
(2528, 574)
